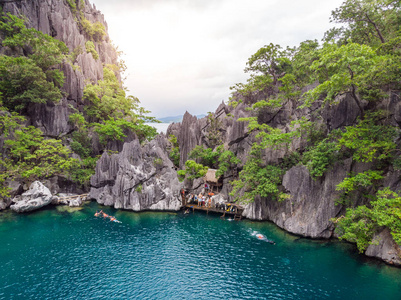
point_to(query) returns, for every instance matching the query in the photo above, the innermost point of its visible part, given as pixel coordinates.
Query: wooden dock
(237, 214)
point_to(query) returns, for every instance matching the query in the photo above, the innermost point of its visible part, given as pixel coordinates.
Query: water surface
(70, 254)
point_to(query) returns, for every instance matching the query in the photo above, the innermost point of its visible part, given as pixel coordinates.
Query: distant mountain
(176, 119)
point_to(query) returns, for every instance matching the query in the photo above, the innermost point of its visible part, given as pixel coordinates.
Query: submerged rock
(36, 197)
(138, 178)
(69, 209)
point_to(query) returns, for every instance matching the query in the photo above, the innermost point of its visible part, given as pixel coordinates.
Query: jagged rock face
(189, 136)
(343, 114)
(313, 202)
(188, 133)
(54, 17)
(138, 178)
(311, 206)
(386, 249)
(15, 189)
(36, 197)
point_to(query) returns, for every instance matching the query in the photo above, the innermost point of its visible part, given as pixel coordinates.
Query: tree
(46, 51)
(258, 179)
(355, 69)
(361, 223)
(34, 77)
(207, 157)
(192, 171)
(368, 22)
(32, 157)
(23, 82)
(227, 160)
(269, 60)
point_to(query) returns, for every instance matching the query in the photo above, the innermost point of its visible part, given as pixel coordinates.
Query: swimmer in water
(265, 239)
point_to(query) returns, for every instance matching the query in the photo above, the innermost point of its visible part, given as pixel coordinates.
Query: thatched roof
(211, 176)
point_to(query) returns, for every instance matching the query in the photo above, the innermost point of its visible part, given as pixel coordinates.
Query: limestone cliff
(55, 18)
(138, 178)
(312, 203)
(63, 20)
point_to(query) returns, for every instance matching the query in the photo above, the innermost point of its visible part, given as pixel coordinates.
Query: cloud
(185, 54)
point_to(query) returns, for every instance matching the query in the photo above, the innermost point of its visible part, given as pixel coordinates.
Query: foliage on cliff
(359, 224)
(94, 31)
(174, 150)
(359, 62)
(28, 155)
(30, 74)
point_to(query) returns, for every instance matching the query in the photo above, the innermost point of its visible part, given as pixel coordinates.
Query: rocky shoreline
(143, 177)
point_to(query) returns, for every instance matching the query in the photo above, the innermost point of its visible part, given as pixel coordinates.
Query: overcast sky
(185, 54)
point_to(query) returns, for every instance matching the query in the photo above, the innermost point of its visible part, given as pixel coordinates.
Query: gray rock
(189, 136)
(310, 208)
(138, 178)
(76, 202)
(54, 17)
(386, 249)
(36, 197)
(15, 189)
(344, 113)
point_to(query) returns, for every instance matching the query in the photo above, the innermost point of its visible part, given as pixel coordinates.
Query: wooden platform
(193, 207)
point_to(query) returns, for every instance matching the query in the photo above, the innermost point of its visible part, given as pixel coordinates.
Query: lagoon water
(62, 253)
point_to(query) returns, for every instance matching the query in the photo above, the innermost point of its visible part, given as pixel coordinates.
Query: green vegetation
(90, 48)
(112, 111)
(158, 162)
(28, 156)
(33, 78)
(72, 5)
(220, 159)
(174, 150)
(226, 161)
(213, 131)
(95, 31)
(207, 157)
(139, 188)
(192, 171)
(31, 74)
(320, 157)
(258, 179)
(361, 223)
(359, 62)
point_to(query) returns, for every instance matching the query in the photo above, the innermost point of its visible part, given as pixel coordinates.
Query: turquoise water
(59, 254)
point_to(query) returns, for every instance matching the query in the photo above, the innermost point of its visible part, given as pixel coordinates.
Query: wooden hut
(211, 179)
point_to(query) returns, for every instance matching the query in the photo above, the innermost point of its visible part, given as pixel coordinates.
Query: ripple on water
(63, 254)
